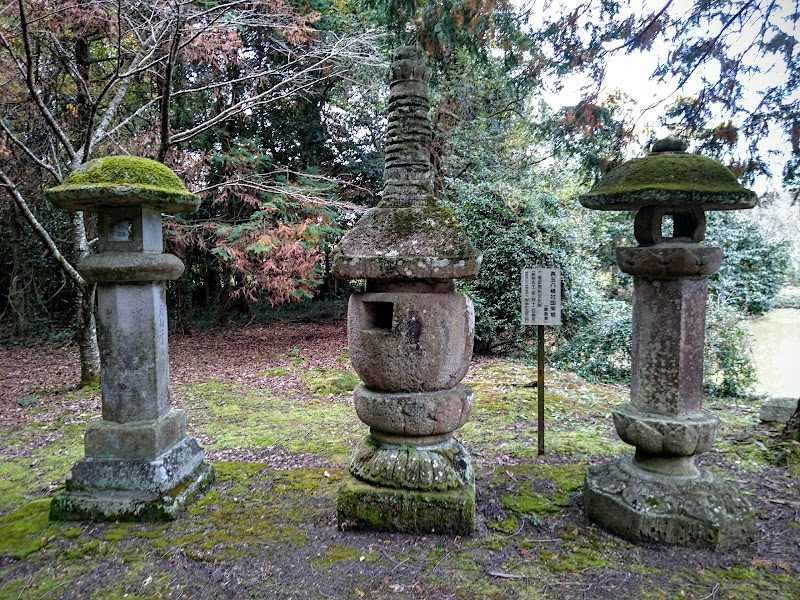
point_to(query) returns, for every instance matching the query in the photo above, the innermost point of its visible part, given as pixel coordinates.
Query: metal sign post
(541, 305)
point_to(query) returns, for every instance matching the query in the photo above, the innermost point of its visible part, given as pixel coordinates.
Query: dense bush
(754, 268)
(517, 228)
(728, 367)
(601, 351)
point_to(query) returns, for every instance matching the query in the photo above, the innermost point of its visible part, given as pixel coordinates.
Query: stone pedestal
(139, 464)
(410, 337)
(660, 494)
(411, 350)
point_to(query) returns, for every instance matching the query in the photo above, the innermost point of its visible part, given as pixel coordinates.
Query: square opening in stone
(379, 315)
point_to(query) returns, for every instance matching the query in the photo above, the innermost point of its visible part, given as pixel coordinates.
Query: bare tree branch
(22, 146)
(38, 229)
(46, 114)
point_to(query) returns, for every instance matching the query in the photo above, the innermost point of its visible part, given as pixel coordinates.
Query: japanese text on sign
(541, 296)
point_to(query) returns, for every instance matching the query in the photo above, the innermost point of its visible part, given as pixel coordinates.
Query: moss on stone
(129, 170)
(363, 506)
(669, 179)
(123, 180)
(414, 242)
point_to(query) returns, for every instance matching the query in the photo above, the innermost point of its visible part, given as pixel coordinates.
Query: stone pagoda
(410, 336)
(139, 463)
(659, 494)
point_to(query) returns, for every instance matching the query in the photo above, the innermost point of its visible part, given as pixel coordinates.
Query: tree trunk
(86, 325)
(16, 291)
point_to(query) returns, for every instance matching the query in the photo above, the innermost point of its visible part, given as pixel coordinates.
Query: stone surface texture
(410, 336)
(668, 340)
(139, 463)
(778, 410)
(132, 335)
(660, 494)
(702, 511)
(414, 414)
(407, 341)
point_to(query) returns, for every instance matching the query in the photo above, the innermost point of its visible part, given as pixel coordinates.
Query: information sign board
(541, 296)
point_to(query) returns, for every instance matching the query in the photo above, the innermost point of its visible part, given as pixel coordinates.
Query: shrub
(601, 351)
(754, 268)
(517, 228)
(728, 368)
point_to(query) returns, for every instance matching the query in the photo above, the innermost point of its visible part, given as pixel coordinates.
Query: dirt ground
(279, 439)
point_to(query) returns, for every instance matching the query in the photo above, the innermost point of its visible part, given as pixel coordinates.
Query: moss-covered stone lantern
(660, 494)
(410, 336)
(138, 462)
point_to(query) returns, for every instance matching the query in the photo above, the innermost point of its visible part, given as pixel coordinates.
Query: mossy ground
(267, 532)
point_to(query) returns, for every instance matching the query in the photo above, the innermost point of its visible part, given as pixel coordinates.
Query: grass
(265, 532)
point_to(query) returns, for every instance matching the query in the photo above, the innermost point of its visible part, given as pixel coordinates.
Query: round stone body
(413, 414)
(410, 341)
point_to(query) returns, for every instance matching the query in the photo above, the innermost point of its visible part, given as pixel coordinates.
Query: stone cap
(670, 177)
(123, 181)
(421, 242)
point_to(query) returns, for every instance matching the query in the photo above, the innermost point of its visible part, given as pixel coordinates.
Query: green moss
(507, 524)
(577, 558)
(25, 530)
(747, 581)
(527, 503)
(668, 179)
(252, 507)
(338, 552)
(73, 532)
(124, 177)
(274, 372)
(504, 414)
(130, 170)
(235, 416)
(330, 382)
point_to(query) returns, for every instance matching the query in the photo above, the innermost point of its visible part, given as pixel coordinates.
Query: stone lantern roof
(670, 178)
(123, 181)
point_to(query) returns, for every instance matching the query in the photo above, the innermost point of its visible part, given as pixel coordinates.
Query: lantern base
(110, 489)
(365, 506)
(703, 511)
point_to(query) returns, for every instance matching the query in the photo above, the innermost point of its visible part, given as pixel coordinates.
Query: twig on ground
(506, 575)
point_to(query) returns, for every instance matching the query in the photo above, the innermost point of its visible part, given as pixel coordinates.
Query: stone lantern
(410, 336)
(660, 494)
(138, 462)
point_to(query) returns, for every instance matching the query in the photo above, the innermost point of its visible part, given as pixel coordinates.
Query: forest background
(273, 111)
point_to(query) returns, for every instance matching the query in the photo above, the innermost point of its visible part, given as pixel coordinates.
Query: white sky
(630, 75)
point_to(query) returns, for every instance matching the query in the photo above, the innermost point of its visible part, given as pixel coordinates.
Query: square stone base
(697, 512)
(133, 490)
(365, 506)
